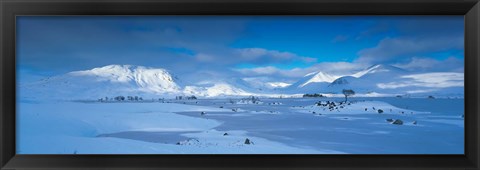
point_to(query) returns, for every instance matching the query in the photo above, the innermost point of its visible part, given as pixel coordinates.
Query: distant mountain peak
(377, 68)
(340, 81)
(316, 77)
(104, 81)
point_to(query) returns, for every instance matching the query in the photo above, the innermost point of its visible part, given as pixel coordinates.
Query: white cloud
(430, 64)
(390, 49)
(259, 70)
(256, 53)
(204, 57)
(339, 68)
(431, 80)
(309, 59)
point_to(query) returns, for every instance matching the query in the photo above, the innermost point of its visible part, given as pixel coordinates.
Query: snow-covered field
(272, 126)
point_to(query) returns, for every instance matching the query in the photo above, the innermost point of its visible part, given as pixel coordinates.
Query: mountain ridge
(112, 80)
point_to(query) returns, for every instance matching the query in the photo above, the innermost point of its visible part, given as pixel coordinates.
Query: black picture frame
(11, 8)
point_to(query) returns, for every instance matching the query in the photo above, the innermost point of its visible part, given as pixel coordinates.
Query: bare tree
(347, 93)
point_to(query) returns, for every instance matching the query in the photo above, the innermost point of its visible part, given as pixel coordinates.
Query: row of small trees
(185, 97)
(313, 95)
(121, 98)
(346, 92)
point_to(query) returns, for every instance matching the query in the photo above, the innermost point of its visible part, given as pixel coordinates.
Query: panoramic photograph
(240, 85)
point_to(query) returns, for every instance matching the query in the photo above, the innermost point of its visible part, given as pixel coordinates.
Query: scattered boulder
(397, 122)
(414, 122)
(389, 120)
(380, 111)
(247, 141)
(366, 109)
(221, 107)
(235, 110)
(202, 113)
(225, 134)
(463, 115)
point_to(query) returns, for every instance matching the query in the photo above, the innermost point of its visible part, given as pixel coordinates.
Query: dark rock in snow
(389, 120)
(202, 113)
(380, 111)
(397, 122)
(414, 122)
(225, 134)
(247, 141)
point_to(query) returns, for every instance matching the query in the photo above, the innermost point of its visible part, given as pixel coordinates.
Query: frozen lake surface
(291, 126)
(155, 137)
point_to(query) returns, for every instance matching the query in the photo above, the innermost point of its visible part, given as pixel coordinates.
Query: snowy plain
(221, 126)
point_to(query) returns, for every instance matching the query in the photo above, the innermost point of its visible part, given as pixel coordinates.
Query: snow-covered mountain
(379, 69)
(310, 83)
(107, 81)
(127, 80)
(124, 80)
(382, 79)
(217, 90)
(153, 80)
(315, 77)
(389, 80)
(366, 81)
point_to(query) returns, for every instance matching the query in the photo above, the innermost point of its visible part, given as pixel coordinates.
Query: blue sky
(280, 48)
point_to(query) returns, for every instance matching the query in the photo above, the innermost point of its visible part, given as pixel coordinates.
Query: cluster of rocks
(399, 122)
(188, 141)
(332, 105)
